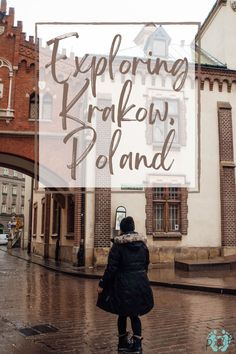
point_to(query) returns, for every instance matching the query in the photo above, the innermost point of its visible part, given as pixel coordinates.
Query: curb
(173, 285)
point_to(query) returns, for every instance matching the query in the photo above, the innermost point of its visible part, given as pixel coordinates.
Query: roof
(212, 13)
(207, 59)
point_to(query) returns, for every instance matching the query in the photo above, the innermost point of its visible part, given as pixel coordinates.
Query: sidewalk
(219, 281)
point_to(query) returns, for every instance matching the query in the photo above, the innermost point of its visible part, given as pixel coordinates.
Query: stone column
(227, 179)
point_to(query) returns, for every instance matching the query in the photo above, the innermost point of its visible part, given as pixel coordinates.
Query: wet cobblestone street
(32, 295)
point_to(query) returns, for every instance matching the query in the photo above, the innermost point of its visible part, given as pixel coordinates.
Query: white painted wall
(218, 39)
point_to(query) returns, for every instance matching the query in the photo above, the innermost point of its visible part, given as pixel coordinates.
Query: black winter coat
(126, 288)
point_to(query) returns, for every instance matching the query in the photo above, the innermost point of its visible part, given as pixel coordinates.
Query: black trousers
(135, 325)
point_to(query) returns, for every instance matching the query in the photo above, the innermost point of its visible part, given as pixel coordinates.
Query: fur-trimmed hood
(130, 238)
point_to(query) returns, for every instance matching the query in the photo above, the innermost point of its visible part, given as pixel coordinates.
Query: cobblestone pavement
(31, 295)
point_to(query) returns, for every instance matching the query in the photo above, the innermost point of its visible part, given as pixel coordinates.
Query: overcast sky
(107, 10)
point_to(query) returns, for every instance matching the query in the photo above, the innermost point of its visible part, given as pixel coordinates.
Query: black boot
(124, 343)
(136, 346)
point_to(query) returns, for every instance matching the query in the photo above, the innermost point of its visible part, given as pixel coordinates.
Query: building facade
(77, 226)
(179, 223)
(12, 196)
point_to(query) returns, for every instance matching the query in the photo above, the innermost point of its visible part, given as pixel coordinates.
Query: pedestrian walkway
(219, 281)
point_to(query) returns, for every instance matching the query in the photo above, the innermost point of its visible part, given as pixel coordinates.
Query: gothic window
(34, 106)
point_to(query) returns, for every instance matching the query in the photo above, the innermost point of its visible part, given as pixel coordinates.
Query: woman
(124, 288)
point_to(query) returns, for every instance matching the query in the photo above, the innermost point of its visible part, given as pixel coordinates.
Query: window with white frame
(160, 48)
(15, 174)
(5, 171)
(14, 190)
(13, 209)
(162, 128)
(4, 188)
(4, 208)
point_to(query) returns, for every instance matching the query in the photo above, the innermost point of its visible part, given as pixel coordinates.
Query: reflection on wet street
(32, 295)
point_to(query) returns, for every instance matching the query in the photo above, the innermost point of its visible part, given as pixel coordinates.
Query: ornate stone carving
(233, 4)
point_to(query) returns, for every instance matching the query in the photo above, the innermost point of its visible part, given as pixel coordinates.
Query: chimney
(3, 6)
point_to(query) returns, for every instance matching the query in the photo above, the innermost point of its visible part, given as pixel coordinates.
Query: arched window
(6, 112)
(34, 106)
(47, 107)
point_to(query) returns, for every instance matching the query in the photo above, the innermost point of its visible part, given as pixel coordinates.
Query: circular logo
(219, 341)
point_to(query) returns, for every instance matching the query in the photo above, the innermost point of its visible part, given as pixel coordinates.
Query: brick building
(17, 86)
(179, 223)
(12, 197)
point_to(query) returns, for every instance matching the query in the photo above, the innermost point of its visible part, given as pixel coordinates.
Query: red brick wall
(149, 211)
(227, 175)
(78, 212)
(102, 234)
(21, 54)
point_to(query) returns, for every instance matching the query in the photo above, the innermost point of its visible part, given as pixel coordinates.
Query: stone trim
(227, 175)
